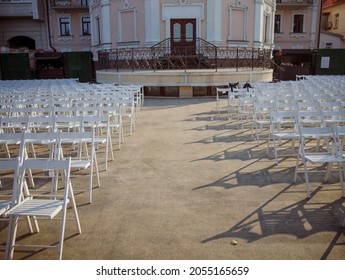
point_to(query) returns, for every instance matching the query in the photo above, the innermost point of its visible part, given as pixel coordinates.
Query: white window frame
(293, 20)
(81, 24)
(239, 6)
(336, 21)
(280, 24)
(120, 13)
(70, 24)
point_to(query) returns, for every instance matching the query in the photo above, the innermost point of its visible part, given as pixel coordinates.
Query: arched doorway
(22, 42)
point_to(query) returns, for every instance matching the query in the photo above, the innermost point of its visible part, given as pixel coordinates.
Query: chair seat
(41, 141)
(263, 122)
(37, 207)
(4, 206)
(100, 140)
(10, 142)
(323, 158)
(80, 163)
(287, 135)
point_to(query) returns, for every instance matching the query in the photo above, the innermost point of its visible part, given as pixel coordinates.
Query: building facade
(333, 23)
(144, 23)
(70, 25)
(23, 24)
(48, 25)
(296, 24)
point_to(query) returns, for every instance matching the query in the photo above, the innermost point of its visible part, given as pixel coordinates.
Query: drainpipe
(48, 23)
(319, 31)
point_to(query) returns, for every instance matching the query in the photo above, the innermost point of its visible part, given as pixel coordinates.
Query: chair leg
(328, 171)
(62, 233)
(74, 206)
(341, 179)
(296, 169)
(11, 238)
(306, 177)
(275, 150)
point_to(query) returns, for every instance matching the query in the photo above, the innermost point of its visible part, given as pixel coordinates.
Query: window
(65, 26)
(177, 32)
(86, 25)
(84, 2)
(298, 22)
(329, 45)
(277, 24)
(336, 20)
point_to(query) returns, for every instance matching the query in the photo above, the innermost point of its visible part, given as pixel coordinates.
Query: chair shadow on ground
(300, 219)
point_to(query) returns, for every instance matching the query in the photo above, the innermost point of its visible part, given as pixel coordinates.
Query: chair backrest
(283, 116)
(310, 118)
(62, 165)
(315, 131)
(14, 165)
(14, 123)
(327, 133)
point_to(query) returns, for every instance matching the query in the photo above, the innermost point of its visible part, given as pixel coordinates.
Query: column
(214, 22)
(258, 27)
(314, 25)
(106, 26)
(152, 22)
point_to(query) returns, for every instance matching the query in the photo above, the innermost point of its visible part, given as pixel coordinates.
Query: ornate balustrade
(203, 55)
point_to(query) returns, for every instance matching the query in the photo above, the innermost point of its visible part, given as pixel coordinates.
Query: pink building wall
(142, 23)
(308, 39)
(76, 41)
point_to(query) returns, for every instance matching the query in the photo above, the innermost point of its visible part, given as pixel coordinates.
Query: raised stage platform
(185, 79)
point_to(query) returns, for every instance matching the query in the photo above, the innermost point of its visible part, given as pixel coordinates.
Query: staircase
(202, 56)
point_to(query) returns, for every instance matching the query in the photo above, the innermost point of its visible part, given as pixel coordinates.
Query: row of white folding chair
(122, 105)
(85, 141)
(331, 111)
(58, 122)
(112, 113)
(35, 102)
(283, 124)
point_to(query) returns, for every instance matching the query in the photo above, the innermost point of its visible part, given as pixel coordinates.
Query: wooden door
(183, 36)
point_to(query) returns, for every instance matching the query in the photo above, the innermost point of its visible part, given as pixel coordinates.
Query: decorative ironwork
(203, 56)
(69, 3)
(293, 2)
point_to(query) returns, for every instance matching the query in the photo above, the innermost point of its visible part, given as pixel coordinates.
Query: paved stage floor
(190, 184)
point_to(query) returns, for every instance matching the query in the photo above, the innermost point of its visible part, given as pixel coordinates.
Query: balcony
(294, 3)
(16, 9)
(69, 4)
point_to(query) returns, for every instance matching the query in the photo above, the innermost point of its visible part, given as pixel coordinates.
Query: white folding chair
(81, 159)
(11, 198)
(221, 92)
(246, 109)
(126, 102)
(261, 119)
(315, 156)
(283, 127)
(99, 124)
(48, 206)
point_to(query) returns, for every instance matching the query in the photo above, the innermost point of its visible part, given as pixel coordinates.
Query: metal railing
(203, 55)
(68, 3)
(304, 2)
